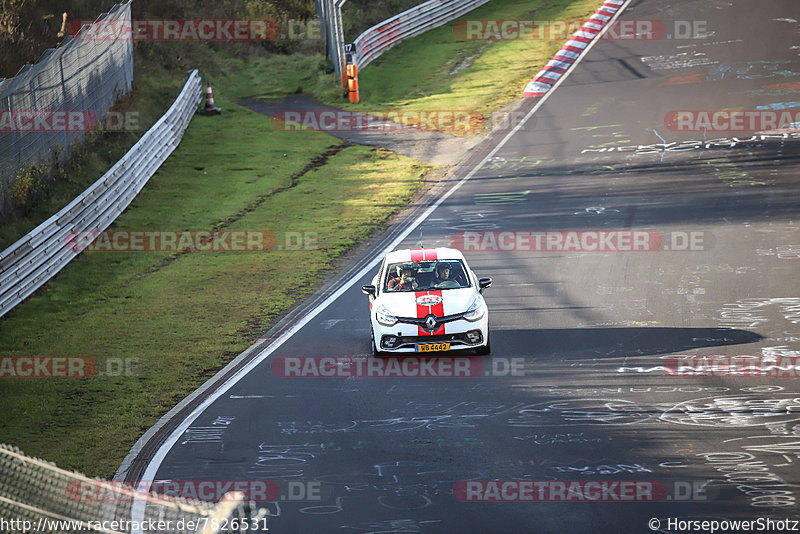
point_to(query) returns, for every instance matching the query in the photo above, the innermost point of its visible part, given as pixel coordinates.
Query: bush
(26, 188)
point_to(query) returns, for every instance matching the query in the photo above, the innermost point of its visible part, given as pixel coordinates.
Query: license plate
(433, 347)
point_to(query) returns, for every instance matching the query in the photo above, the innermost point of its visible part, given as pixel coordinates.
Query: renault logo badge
(430, 322)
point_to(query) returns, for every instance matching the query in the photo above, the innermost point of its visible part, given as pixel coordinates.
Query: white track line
(137, 512)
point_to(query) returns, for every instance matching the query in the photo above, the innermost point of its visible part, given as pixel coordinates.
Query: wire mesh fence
(36, 496)
(84, 76)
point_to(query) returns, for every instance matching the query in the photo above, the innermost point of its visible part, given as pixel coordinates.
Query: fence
(376, 40)
(37, 496)
(33, 260)
(85, 75)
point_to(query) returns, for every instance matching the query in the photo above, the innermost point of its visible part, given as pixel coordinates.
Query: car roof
(424, 254)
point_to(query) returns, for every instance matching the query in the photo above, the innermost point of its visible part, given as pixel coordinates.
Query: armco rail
(432, 14)
(33, 260)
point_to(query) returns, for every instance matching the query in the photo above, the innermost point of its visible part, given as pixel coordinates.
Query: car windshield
(425, 275)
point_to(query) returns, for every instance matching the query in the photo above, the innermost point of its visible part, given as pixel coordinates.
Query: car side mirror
(370, 290)
(483, 283)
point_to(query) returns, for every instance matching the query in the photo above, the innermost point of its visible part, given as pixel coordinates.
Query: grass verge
(454, 74)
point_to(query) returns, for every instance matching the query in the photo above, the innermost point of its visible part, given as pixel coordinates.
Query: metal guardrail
(30, 262)
(83, 74)
(419, 19)
(376, 40)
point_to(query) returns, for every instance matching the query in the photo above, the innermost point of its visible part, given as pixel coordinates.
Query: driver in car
(444, 273)
(406, 282)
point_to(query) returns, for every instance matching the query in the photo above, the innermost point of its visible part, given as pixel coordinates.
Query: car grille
(453, 339)
(439, 321)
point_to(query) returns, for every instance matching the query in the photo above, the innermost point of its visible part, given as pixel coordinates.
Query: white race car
(427, 299)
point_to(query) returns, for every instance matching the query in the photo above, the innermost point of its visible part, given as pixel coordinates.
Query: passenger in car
(406, 282)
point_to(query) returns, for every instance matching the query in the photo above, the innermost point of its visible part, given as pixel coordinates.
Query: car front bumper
(403, 337)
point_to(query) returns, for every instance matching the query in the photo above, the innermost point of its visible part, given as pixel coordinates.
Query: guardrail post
(338, 36)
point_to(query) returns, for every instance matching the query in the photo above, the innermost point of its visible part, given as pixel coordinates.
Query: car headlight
(384, 317)
(476, 310)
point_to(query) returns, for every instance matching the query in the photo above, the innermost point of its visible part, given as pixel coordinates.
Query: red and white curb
(570, 52)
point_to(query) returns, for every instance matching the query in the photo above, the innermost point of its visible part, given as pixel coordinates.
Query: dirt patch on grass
(433, 147)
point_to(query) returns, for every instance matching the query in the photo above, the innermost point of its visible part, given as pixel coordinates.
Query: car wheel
(484, 350)
(375, 352)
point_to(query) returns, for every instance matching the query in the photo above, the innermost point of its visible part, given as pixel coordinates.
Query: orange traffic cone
(210, 107)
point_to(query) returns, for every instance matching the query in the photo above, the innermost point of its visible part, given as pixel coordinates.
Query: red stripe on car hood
(422, 254)
(423, 311)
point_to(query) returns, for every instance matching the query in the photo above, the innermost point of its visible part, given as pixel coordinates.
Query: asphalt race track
(591, 334)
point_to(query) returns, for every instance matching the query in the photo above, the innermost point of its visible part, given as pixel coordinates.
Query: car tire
(375, 352)
(486, 349)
